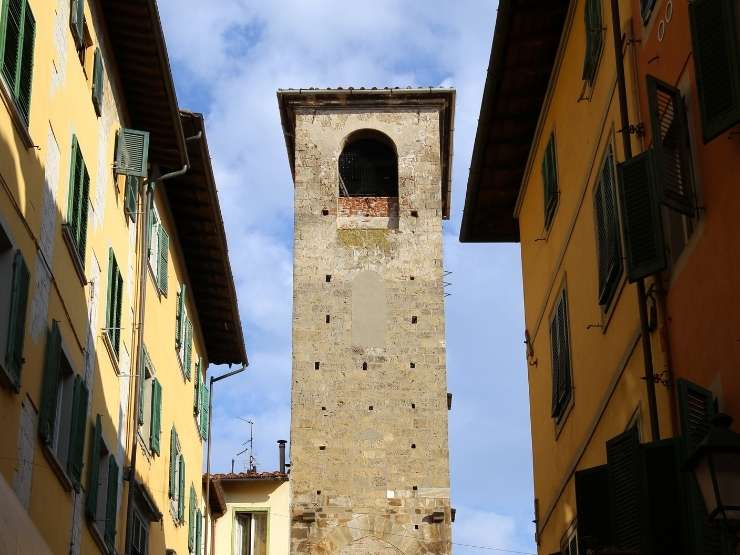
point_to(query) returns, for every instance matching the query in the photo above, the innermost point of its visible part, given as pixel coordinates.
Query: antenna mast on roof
(252, 464)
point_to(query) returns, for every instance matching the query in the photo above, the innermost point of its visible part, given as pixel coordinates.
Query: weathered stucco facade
(369, 451)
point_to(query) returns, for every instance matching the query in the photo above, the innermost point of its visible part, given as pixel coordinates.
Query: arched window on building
(368, 166)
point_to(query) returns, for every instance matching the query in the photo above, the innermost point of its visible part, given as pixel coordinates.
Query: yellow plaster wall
(61, 106)
(606, 356)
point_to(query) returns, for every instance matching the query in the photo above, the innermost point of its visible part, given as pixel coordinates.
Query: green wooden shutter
(696, 408)
(25, 68)
(97, 87)
(75, 178)
(91, 501)
(560, 351)
(119, 301)
(132, 152)
(156, 420)
(77, 431)
(179, 320)
(625, 489)
(85, 188)
(110, 316)
(181, 491)
(664, 498)
(191, 520)
(593, 507)
(555, 362)
(17, 319)
(188, 346)
(607, 225)
(642, 224)
(671, 148)
(550, 180)
(163, 251)
(594, 39)
(196, 400)
(111, 505)
(173, 462)
(77, 22)
(12, 31)
(204, 413)
(198, 531)
(714, 32)
(132, 189)
(50, 383)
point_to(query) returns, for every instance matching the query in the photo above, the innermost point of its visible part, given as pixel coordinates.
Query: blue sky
(229, 58)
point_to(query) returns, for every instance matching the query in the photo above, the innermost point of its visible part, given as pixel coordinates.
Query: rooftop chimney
(281, 448)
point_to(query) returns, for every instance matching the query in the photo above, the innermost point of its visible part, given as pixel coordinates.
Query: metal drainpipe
(139, 361)
(647, 350)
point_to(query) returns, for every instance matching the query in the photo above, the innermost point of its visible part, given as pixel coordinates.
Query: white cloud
(230, 57)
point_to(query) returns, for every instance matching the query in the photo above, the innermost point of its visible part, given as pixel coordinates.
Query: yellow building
(251, 513)
(547, 160)
(89, 124)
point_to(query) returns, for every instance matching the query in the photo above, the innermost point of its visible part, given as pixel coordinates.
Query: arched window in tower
(368, 166)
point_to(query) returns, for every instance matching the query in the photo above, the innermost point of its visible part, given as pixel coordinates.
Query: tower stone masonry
(369, 449)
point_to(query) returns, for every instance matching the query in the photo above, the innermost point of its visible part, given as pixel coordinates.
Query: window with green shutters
(560, 357)
(16, 318)
(79, 193)
(63, 411)
(607, 231)
(17, 39)
(200, 404)
(159, 246)
(101, 503)
(550, 181)
(594, 29)
(77, 22)
(150, 407)
(176, 490)
(97, 83)
(192, 506)
(716, 54)
(183, 334)
(113, 310)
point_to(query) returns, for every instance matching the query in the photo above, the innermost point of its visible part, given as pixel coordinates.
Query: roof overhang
(193, 200)
(525, 46)
(145, 78)
(352, 99)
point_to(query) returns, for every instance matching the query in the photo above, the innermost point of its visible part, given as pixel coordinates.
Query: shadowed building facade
(369, 452)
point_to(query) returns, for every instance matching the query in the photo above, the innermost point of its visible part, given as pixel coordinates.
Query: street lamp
(716, 466)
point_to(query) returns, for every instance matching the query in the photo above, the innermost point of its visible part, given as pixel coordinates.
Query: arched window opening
(368, 166)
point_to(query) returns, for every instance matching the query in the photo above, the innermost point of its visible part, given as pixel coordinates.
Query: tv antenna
(252, 464)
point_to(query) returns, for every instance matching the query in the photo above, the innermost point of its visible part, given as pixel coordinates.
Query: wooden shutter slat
(91, 501)
(642, 224)
(50, 384)
(714, 33)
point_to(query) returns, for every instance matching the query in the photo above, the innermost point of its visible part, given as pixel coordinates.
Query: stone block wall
(369, 450)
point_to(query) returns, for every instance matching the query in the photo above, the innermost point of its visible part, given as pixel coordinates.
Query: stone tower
(369, 452)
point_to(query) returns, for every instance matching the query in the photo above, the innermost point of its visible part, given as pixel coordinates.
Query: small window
(177, 479)
(560, 357)
(63, 411)
(550, 181)
(17, 36)
(594, 28)
(250, 533)
(607, 231)
(159, 246)
(150, 406)
(368, 166)
(139, 535)
(113, 310)
(102, 489)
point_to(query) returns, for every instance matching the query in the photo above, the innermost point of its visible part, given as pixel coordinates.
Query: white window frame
(238, 549)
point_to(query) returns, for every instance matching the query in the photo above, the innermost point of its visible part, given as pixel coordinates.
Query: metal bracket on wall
(635, 129)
